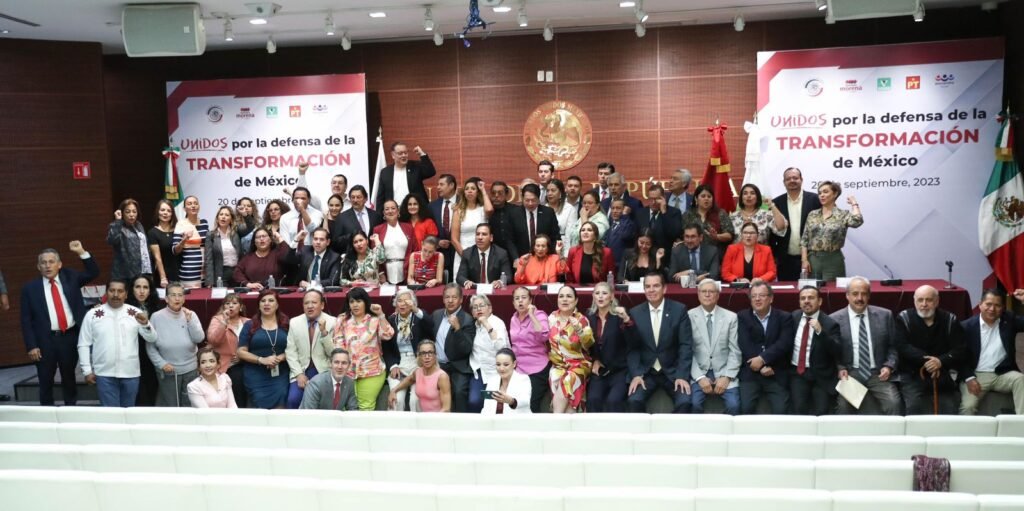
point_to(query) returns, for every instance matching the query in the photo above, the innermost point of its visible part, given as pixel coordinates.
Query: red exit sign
(82, 170)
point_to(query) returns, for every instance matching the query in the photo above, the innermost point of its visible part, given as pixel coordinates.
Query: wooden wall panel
(481, 114)
(52, 120)
(29, 68)
(611, 55)
(505, 61)
(410, 65)
(613, 106)
(708, 51)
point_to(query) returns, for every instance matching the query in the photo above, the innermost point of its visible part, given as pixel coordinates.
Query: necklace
(273, 342)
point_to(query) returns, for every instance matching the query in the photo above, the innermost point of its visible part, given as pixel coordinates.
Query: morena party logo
(814, 87)
(215, 114)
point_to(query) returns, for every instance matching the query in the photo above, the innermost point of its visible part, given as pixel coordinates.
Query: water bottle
(271, 283)
(446, 277)
(611, 281)
(803, 273)
(504, 279)
(220, 282)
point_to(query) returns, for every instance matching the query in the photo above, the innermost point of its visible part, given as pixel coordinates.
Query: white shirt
(855, 337)
(290, 221)
(399, 185)
(795, 207)
(992, 350)
(228, 252)
(108, 344)
(485, 349)
(54, 324)
(810, 340)
(395, 242)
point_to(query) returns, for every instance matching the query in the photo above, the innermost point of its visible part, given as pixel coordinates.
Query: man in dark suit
(868, 348)
(502, 223)
(545, 171)
(678, 197)
(812, 366)
(455, 331)
(621, 232)
(51, 312)
(316, 259)
(536, 219)
(443, 210)
(332, 390)
(664, 222)
(574, 191)
(358, 218)
(604, 169)
(414, 173)
(991, 364)
(796, 204)
(694, 250)
(660, 349)
(617, 189)
(484, 252)
(933, 343)
(765, 339)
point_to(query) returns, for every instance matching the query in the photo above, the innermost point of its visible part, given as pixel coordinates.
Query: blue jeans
(117, 392)
(295, 393)
(731, 397)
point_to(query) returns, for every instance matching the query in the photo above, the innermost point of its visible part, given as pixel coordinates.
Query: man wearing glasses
(765, 340)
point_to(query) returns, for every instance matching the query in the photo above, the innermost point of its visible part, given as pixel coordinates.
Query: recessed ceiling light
(503, 8)
(258, 21)
(378, 14)
(627, 4)
(5, 31)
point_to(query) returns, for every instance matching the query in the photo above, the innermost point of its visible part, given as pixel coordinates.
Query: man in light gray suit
(868, 345)
(716, 351)
(332, 390)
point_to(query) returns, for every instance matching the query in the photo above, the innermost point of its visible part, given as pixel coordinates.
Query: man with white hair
(678, 185)
(932, 344)
(868, 348)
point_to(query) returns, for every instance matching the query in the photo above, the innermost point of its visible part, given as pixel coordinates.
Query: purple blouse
(530, 346)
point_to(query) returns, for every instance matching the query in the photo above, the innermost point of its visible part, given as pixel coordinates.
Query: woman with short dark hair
(128, 237)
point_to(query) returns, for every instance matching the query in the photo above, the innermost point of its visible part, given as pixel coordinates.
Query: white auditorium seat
(379, 420)
(1010, 425)
(755, 473)
(484, 498)
(499, 442)
(950, 425)
(903, 501)
(874, 447)
(611, 422)
(774, 425)
(1000, 502)
(834, 475)
(304, 419)
(861, 425)
(40, 457)
(128, 458)
(575, 442)
(336, 439)
(764, 499)
(247, 436)
(160, 415)
(29, 433)
(234, 417)
(243, 492)
(90, 414)
(256, 460)
(114, 434)
(530, 470)
(977, 448)
(152, 492)
(426, 468)
(610, 498)
(810, 447)
(167, 434)
(714, 424)
(642, 471)
(369, 495)
(995, 477)
(320, 464)
(13, 413)
(452, 421)
(411, 441)
(533, 422)
(682, 444)
(45, 490)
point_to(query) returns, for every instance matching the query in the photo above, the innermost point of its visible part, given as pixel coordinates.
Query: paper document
(852, 391)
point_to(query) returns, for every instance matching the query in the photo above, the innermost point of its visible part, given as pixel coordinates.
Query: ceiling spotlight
(329, 24)
(641, 30)
(502, 8)
(438, 38)
(989, 6)
(820, 5)
(346, 43)
(378, 14)
(271, 45)
(521, 17)
(919, 12)
(229, 35)
(258, 21)
(627, 4)
(5, 31)
(738, 23)
(549, 33)
(641, 14)
(830, 19)
(428, 21)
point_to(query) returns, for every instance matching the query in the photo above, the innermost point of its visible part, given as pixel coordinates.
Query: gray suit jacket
(721, 354)
(710, 261)
(884, 339)
(319, 394)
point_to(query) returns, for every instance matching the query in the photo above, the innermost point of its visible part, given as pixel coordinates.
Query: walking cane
(935, 389)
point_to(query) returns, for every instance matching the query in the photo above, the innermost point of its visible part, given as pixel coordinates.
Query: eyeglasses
(479, 306)
(428, 353)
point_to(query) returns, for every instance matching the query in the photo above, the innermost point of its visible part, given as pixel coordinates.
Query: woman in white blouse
(566, 213)
(399, 241)
(212, 389)
(491, 336)
(510, 389)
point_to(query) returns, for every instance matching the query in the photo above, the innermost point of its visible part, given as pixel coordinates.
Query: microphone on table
(949, 282)
(892, 280)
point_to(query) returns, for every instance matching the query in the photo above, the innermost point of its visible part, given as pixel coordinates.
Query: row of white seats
(89, 491)
(833, 425)
(511, 442)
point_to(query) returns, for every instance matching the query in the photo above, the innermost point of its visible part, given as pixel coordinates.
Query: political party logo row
(215, 113)
(816, 86)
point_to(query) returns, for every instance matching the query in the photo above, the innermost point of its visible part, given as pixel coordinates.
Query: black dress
(163, 239)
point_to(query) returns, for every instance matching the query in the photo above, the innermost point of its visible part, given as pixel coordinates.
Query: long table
(896, 298)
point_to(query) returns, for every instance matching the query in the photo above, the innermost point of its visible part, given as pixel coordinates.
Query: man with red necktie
(51, 311)
(334, 389)
(812, 369)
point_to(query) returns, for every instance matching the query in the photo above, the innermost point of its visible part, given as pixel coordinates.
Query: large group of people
(464, 358)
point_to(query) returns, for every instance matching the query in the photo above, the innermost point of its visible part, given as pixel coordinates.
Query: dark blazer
(421, 329)
(458, 345)
(709, 261)
(632, 203)
(620, 236)
(503, 229)
(675, 341)
(213, 255)
(780, 244)
(35, 317)
(1009, 326)
(127, 255)
(547, 223)
(416, 172)
(665, 230)
(437, 211)
(884, 339)
(629, 271)
(824, 349)
(949, 346)
(330, 265)
(347, 224)
(497, 262)
(611, 346)
(774, 344)
(319, 394)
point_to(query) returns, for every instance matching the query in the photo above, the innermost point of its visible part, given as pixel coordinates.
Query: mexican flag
(172, 187)
(716, 175)
(382, 162)
(1001, 217)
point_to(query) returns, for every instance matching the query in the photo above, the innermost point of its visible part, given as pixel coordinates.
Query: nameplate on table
(554, 287)
(388, 290)
(218, 293)
(776, 287)
(635, 287)
(843, 282)
(484, 289)
(802, 283)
